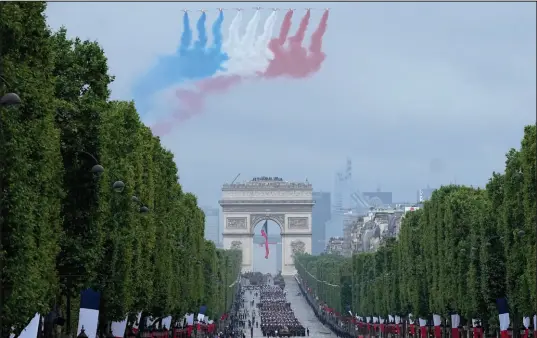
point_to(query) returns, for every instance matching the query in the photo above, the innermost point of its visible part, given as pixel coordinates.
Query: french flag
(478, 330)
(88, 317)
(167, 322)
(526, 322)
(118, 328)
(31, 330)
(411, 324)
(398, 325)
(437, 321)
(503, 316)
(264, 233)
(189, 323)
(423, 327)
(136, 324)
(455, 322)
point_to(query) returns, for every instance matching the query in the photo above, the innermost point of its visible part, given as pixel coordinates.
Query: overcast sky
(414, 93)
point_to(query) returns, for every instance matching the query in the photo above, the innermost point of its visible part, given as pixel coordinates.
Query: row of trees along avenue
(90, 198)
(462, 251)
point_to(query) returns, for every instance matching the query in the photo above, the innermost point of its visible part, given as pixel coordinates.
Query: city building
(346, 197)
(335, 246)
(425, 194)
(368, 232)
(320, 217)
(212, 224)
(350, 221)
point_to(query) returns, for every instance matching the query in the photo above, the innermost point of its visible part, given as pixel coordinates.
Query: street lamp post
(7, 100)
(118, 187)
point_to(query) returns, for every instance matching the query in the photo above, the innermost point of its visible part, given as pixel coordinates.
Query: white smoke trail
(249, 53)
(251, 29)
(242, 49)
(264, 54)
(233, 39)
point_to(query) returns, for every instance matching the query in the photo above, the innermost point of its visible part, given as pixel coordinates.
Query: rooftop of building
(268, 183)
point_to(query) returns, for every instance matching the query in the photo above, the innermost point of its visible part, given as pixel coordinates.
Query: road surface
(302, 310)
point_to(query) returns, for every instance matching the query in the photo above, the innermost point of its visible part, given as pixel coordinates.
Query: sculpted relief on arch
(298, 247)
(236, 223)
(236, 245)
(300, 223)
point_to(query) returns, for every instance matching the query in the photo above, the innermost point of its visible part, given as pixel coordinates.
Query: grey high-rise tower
(212, 224)
(321, 214)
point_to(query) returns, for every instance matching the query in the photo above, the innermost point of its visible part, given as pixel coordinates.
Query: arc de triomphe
(288, 204)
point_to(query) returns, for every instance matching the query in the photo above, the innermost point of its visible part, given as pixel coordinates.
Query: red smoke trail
(192, 101)
(295, 60)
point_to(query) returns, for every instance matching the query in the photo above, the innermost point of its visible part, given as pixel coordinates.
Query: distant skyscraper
(320, 216)
(212, 224)
(425, 194)
(378, 198)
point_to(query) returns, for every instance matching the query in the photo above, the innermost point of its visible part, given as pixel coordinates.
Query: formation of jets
(256, 8)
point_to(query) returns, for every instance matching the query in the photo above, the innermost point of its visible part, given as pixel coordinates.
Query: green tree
(30, 167)
(81, 94)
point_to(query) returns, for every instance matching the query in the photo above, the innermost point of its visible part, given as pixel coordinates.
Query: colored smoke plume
(295, 60)
(250, 56)
(191, 61)
(192, 101)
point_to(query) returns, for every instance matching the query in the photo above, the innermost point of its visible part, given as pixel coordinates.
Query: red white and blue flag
(264, 233)
(88, 317)
(503, 316)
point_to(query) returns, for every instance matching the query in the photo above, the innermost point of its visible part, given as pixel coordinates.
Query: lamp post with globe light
(117, 187)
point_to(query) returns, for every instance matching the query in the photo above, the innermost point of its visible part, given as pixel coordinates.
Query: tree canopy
(465, 248)
(64, 228)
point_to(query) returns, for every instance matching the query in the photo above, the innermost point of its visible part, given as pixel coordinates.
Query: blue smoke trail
(217, 31)
(200, 44)
(190, 62)
(216, 49)
(186, 37)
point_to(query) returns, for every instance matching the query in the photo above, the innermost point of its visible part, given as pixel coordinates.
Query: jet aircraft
(257, 8)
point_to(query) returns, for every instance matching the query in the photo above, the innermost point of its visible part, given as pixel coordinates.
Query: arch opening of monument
(272, 263)
(288, 204)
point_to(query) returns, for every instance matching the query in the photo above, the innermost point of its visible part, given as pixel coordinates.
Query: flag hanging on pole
(264, 233)
(88, 317)
(503, 314)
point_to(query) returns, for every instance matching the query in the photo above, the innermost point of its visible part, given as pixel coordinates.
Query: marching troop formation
(277, 317)
(261, 306)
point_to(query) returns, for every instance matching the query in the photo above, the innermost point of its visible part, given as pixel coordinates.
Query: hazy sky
(414, 93)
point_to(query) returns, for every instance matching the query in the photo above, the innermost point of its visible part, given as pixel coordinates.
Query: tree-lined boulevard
(459, 254)
(89, 197)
